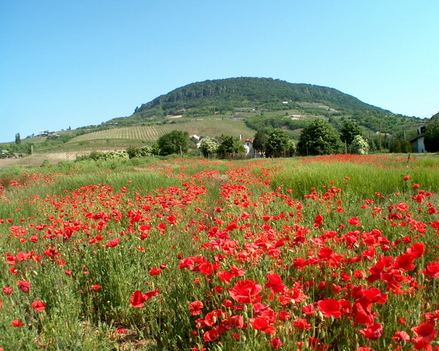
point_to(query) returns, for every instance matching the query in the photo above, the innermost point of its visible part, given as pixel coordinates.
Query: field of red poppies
(324, 253)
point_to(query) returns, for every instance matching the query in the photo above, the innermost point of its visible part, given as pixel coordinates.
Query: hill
(277, 101)
(224, 95)
(233, 106)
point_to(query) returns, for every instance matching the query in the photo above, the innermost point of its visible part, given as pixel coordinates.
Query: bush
(319, 138)
(358, 146)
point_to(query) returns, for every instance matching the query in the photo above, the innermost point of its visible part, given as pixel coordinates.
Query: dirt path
(7, 162)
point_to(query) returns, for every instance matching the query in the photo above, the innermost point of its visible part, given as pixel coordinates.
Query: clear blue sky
(77, 63)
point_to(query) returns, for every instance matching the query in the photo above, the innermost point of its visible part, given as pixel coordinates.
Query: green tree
(399, 145)
(259, 141)
(231, 147)
(277, 144)
(209, 147)
(431, 134)
(359, 146)
(291, 147)
(175, 142)
(348, 132)
(17, 139)
(319, 138)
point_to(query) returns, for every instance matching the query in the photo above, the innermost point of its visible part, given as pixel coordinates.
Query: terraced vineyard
(151, 133)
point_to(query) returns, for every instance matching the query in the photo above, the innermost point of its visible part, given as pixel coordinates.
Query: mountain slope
(235, 92)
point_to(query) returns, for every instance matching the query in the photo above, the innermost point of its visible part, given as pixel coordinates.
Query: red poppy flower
(276, 343)
(195, 307)
(330, 308)
(362, 312)
(373, 332)
(318, 221)
(137, 299)
(308, 310)
(144, 228)
(275, 283)
(155, 271)
(400, 336)
(263, 324)
(211, 335)
(112, 243)
(150, 294)
(432, 269)
(417, 249)
(375, 295)
(225, 276)
(405, 261)
(214, 317)
(38, 305)
(7, 290)
(354, 221)
(425, 333)
(246, 291)
(17, 323)
(24, 285)
(302, 324)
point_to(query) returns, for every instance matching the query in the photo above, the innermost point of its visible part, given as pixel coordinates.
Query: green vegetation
(231, 147)
(349, 131)
(431, 135)
(278, 144)
(220, 255)
(209, 148)
(237, 107)
(175, 142)
(319, 138)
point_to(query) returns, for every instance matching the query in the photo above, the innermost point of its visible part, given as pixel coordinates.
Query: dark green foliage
(17, 139)
(231, 147)
(349, 131)
(431, 134)
(260, 141)
(319, 138)
(224, 95)
(267, 124)
(400, 146)
(175, 142)
(139, 151)
(214, 93)
(277, 144)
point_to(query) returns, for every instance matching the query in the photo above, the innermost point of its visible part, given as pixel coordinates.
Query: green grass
(83, 199)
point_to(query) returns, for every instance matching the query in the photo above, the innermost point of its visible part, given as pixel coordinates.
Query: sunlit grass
(87, 236)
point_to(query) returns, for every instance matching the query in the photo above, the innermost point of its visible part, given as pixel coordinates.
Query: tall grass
(255, 216)
(360, 181)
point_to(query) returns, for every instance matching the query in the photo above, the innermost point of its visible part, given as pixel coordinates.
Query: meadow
(334, 252)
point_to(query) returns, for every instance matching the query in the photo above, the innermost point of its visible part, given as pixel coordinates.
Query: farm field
(332, 252)
(208, 127)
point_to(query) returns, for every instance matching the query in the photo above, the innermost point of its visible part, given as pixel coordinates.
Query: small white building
(417, 142)
(250, 150)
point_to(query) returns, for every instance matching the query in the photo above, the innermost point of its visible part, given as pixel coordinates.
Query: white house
(417, 142)
(250, 150)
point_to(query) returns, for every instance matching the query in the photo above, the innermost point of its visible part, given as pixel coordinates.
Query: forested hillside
(236, 92)
(267, 103)
(214, 107)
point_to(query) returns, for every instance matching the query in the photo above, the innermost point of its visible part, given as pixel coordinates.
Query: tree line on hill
(317, 138)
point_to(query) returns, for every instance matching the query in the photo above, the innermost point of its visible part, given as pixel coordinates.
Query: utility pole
(379, 133)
